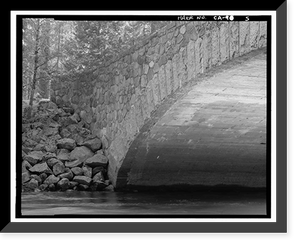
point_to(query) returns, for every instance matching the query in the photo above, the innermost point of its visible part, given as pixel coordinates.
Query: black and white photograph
(145, 117)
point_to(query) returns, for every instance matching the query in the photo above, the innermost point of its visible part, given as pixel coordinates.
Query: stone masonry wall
(117, 99)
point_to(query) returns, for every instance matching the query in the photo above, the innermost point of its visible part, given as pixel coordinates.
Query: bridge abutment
(117, 99)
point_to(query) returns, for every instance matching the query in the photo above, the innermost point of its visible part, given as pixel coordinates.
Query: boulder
(68, 110)
(97, 170)
(93, 144)
(50, 146)
(52, 179)
(63, 155)
(48, 156)
(66, 143)
(37, 178)
(109, 188)
(100, 151)
(81, 153)
(41, 168)
(87, 171)
(63, 184)
(25, 166)
(50, 131)
(65, 133)
(39, 147)
(34, 157)
(66, 121)
(77, 171)
(97, 186)
(67, 174)
(53, 161)
(43, 187)
(25, 177)
(82, 180)
(31, 185)
(71, 164)
(43, 176)
(52, 187)
(82, 187)
(58, 168)
(72, 184)
(99, 177)
(97, 160)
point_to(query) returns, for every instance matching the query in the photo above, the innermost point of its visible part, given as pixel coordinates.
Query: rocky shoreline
(60, 153)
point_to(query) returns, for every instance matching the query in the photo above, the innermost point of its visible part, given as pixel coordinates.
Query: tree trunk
(35, 68)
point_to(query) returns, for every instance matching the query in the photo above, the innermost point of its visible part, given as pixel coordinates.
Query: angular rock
(52, 187)
(52, 179)
(53, 161)
(63, 155)
(50, 131)
(87, 171)
(97, 170)
(41, 168)
(37, 178)
(72, 184)
(25, 177)
(81, 153)
(71, 164)
(82, 180)
(97, 186)
(66, 143)
(68, 110)
(77, 171)
(65, 133)
(100, 151)
(48, 156)
(50, 147)
(97, 160)
(39, 147)
(25, 166)
(43, 187)
(99, 177)
(58, 169)
(34, 157)
(82, 187)
(109, 188)
(43, 176)
(31, 185)
(93, 144)
(67, 174)
(63, 184)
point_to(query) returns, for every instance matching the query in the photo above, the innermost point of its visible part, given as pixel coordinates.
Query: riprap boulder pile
(59, 152)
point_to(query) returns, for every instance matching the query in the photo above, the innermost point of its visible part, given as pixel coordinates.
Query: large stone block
(162, 82)
(215, 46)
(254, 34)
(244, 34)
(175, 72)
(224, 41)
(199, 56)
(234, 39)
(156, 89)
(207, 50)
(150, 99)
(182, 73)
(191, 66)
(262, 34)
(169, 77)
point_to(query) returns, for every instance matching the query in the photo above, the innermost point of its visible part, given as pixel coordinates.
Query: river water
(143, 203)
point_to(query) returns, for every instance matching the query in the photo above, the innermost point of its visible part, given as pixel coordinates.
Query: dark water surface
(143, 203)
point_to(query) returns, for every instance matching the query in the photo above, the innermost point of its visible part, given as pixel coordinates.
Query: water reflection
(114, 203)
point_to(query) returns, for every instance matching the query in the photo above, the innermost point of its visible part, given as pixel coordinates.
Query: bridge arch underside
(212, 133)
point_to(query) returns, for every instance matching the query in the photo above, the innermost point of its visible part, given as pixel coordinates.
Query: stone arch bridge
(186, 106)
